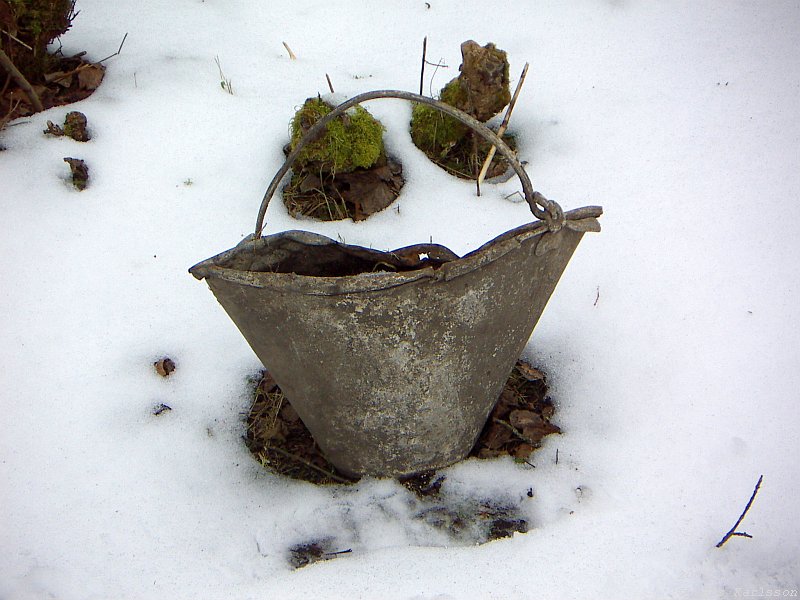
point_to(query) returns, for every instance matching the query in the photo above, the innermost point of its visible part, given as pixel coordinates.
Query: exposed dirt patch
(355, 195)
(278, 439)
(465, 158)
(71, 79)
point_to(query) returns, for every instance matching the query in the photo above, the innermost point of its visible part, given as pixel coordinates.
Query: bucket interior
(307, 254)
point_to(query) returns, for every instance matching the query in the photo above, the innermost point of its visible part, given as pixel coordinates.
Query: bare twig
(26, 87)
(289, 50)
(224, 82)
(503, 126)
(422, 69)
(438, 65)
(475, 163)
(597, 298)
(86, 65)
(330, 85)
(733, 531)
(121, 44)
(16, 39)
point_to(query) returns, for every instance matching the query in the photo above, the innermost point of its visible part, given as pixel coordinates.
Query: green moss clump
(455, 94)
(435, 132)
(354, 140)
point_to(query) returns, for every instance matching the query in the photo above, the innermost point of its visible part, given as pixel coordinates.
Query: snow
(670, 343)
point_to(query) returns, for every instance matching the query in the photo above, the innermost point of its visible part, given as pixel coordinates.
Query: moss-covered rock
(484, 82)
(353, 140)
(481, 90)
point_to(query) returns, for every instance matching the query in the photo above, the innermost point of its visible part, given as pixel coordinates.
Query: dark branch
(422, 70)
(26, 87)
(733, 531)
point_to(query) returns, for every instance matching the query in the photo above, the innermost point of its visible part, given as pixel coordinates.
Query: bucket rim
(214, 267)
(580, 219)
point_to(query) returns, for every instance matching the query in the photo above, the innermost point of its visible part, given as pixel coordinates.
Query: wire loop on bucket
(542, 208)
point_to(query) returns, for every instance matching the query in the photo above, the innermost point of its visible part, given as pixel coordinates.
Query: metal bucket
(394, 360)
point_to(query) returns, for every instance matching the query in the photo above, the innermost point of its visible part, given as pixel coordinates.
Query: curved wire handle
(550, 212)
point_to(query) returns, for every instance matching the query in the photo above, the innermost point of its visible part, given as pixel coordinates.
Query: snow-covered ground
(676, 387)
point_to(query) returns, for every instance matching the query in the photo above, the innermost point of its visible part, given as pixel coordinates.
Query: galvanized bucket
(394, 360)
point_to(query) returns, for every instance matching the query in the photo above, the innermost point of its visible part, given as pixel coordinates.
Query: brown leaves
(528, 372)
(59, 77)
(521, 417)
(80, 173)
(278, 438)
(357, 194)
(165, 366)
(90, 77)
(74, 127)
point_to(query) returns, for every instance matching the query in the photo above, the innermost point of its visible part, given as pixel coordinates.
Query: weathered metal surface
(394, 359)
(391, 372)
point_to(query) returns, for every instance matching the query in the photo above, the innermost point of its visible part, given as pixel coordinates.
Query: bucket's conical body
(392, 372)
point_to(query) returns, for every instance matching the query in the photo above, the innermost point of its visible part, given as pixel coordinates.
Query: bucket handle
(550, 212)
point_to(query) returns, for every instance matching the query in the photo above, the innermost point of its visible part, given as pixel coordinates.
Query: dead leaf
(53, 129)
(75, 126)
(161, 408)
(80, 172)
(528, 372)
(59, 78)
(310, 182)
(487, 453)
(89, 78)
(522, 419)
(496, 436)
(523, 451)
(165, 366)
(536, 432)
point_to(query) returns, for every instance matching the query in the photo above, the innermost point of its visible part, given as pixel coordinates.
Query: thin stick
(84, 66)
(422, 69)
(330, 85)
(503, 125)
(121, 44)
(289, 50)
(21, 81)
(16, 39)
(733, 531)
(307, 463)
